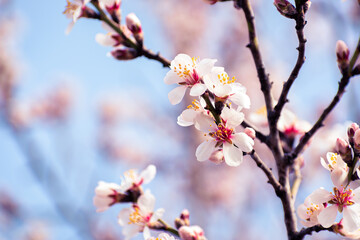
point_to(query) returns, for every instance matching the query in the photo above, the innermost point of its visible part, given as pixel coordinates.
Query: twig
(308, 231)
(272, 180)
(354, 57)
(297, 181)
(166, 227)
(300, 23)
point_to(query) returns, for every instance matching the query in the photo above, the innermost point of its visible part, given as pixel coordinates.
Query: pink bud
(250, 132)
(191, 233)
(352, 129)
(342, 54)
(217, 157)
(342, 146)
(285, 8)
(121, 53)
(133, 23)
(357, 138)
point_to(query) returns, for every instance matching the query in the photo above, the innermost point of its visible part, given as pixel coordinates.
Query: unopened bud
(250, 132)
(123, 53)
(217, 157)
(342, 54)
(357, 141)
(185, 215)
(285, 8)
(191, 233)
(133, 23)
(351, 130)
(344, 149)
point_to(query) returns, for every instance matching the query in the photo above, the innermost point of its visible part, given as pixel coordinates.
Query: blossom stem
(297, 181)
(211, 108)
(112, 25)
(168, 228)
(308, 231)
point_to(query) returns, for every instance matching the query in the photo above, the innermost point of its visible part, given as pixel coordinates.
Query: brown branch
(155, 56)
(300, 23)
(320, 122)
(308, 231)
(259, 135)
(272, 180)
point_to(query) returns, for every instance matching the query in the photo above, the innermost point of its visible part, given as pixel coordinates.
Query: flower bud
(352, 129)
(217, 157)
(133, 23)
(122, 53)
(344, 149)
(357, 141)
(191, 233)
(250, 132)
(106, 195)
(342, 54)
(285, 8)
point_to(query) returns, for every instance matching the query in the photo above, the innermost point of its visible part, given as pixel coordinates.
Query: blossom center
(136, 217)
(70, 8)
(311, 210)
(195, 105)
(188, 73)
(342, 197)
(222, 134)
(224, 79)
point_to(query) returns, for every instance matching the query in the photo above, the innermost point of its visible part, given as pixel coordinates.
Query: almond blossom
(137, 218)
(309, 212)
(223, 135)
(74, 10)
(106, 194)
(110, 5)
(191, 233)
(219, 83)
(133, 180)
(338, 168)
(343, 199)
(187, 117)
(188, 73)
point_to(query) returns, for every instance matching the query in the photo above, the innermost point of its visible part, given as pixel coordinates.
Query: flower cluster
(322, 206)
(141, 216)
(213, 112)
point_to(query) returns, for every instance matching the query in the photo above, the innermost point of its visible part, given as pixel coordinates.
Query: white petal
(339, 177)
(205, 66)
(205, 123)
(301, 211)
(157, 215)
(146, 233)
(69, 28)
(146, 202)
(233, 156)
(241, 99)
(187, 117)
(177, 94)
(131, 230)
(232, 117)
(123, 217)
(197, 89)
(104, 39)
(320, 196)
(171, 77)
(351, 220)
(327, 216)
(243, 142)
(356, 196)
(148, 174)
(324, 164)
(204, 150)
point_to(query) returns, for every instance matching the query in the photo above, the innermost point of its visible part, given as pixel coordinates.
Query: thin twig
(297, 181)
(272, 179)
(300, 23)
(308, 231)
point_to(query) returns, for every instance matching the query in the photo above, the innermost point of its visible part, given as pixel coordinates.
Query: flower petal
(205, 149)
(205, 66)
(146, 202)
(171, 77)
(197, 89)
(233, 156)
(243, 142)
(351, 220)
(187, 117)
(320, 196)
(177, 94)
(148, 174)
(327, 216)
(233, 118)
(205, 123)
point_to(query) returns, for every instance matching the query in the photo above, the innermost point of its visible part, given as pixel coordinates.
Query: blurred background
(70, 116)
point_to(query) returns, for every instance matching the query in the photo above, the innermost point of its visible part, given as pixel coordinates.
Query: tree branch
(300, 23)
(308, 231)
(259, 135)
